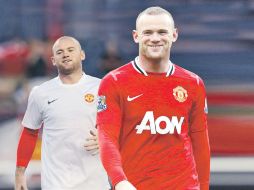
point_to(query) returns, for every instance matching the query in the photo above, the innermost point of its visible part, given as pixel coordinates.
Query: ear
(175, 34)
(83, 55)
(53, 60)
(135, 36)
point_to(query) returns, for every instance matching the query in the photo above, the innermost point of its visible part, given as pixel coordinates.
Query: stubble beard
(153, 55)
(66, 71)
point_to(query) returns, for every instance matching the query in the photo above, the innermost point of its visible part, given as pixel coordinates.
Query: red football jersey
(148, 118)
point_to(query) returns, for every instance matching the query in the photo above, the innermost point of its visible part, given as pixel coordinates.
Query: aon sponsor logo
(154, 124)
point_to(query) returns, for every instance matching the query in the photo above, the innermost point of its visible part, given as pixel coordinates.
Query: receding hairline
(154, 11)
(66, 38)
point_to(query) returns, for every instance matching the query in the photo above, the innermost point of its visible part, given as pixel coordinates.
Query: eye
(71, 50)
(163, 32)
(58, 52)
(147, 32)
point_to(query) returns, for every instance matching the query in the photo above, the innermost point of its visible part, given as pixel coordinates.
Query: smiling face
(67, 55)
(155, 35)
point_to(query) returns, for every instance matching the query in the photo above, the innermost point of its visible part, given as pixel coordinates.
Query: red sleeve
(26, 146)
(199, 136)
(111, 158)
(109, 124)
(201, 151)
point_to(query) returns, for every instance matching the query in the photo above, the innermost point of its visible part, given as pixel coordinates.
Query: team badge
(101, 103)
(89, 98)
(180, 94)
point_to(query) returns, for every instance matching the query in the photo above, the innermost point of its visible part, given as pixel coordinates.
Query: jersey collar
(138, 68)
(71, 85)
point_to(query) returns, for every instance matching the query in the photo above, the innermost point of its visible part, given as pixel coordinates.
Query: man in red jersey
(152, 116)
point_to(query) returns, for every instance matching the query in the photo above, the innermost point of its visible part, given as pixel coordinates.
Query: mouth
(66, 61)
(155, 48)
(155, 45)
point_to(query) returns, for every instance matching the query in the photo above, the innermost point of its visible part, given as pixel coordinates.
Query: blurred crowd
(24, 64)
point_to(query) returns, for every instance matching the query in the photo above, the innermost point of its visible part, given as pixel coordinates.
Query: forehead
(65, 43)
(151, 22)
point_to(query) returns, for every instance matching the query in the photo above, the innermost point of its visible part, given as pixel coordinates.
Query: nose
(155, 37)
(65, 54)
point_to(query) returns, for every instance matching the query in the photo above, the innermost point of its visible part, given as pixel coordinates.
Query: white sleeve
(33, 115)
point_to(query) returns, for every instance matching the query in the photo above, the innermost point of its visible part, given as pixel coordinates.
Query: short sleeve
(33, 116)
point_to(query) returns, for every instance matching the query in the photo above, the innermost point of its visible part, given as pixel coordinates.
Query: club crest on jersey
(180, 94)
(89, 98)
(101, 105)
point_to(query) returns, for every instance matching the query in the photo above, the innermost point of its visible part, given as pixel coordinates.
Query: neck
(154, 65)
(71, 78)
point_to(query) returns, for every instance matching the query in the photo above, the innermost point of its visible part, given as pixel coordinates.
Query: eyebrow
(159, 30)
(59, 50)
(147, 30)
(163, 30)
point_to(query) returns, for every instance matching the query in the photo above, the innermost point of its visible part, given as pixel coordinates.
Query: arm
(111, 160)
(109, 119)
(199, 136)
(25, 151)
(32, 122)
(110, 156)
(201, 151)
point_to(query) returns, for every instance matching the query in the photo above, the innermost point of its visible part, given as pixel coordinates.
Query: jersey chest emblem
(89, 98)
(180, 94)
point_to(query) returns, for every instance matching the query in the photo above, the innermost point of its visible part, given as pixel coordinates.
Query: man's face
(155, 35)
(67, 56)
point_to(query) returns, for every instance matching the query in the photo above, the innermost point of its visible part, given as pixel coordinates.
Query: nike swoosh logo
(49, 102)
(133, 98)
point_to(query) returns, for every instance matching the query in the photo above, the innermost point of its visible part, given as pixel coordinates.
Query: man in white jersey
(66, 106)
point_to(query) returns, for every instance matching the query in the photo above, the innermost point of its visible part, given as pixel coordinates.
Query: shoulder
(52, 83)
(114, 80)
(187, 75)
(45, 87)
(119, 73)
(92, 80)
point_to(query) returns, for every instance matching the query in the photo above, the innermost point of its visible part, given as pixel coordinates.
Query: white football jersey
(67, 112)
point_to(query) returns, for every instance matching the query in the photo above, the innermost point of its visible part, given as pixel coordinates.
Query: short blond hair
(68, 38)
(155, 11)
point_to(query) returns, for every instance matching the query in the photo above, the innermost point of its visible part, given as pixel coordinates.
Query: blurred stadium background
(216, 41)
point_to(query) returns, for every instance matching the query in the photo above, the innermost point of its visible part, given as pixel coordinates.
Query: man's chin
(155, 56)
(66, 71)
